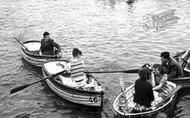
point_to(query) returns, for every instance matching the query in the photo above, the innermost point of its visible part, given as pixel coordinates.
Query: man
(185, 60)
(77, 71)
(171, 66)
(48, 46)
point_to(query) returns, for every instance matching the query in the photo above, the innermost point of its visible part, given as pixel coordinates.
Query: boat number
(93, 99)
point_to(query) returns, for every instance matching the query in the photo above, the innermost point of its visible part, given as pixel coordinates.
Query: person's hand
(59, 53)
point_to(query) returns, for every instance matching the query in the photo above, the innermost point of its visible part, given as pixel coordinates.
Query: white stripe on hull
(85, 100)
(37, 62)
(33, 61)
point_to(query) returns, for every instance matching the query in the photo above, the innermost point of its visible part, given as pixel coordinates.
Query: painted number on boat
(94, 99)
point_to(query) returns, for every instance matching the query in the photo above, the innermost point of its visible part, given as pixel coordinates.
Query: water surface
(111, 36)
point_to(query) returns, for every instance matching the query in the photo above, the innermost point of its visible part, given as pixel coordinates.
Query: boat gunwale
(62, 95)
(141, 113)
(29, 53)
(62, 85)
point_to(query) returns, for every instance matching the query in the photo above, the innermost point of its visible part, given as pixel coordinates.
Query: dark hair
(147, 65)
(144, 73)
(46, 33)
(159, 67)
(76, 51)
(165, 55)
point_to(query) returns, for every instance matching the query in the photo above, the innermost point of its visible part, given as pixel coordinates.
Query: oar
(27, 85)
(20, 43)
(122, 71)
(180, 79)
(122, 86)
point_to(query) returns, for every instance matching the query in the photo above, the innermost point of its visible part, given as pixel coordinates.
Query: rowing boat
(123, 105)
(31, 53)
(69, 90)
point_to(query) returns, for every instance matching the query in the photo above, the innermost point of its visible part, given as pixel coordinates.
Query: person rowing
(48, 46)
(76, 69)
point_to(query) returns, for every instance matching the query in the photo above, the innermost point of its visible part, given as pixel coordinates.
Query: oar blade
(27, 85)
(19, 88)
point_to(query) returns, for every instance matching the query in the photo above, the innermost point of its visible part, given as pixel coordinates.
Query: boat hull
(167, 108)
(78, 96)
(184, 82)
(32, 56)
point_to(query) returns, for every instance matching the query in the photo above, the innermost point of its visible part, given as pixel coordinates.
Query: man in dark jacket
(48, 46)
(171, 66)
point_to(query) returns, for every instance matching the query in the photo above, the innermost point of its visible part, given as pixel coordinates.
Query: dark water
(109, 32)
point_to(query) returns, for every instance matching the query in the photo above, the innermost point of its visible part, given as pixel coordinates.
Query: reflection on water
(109, 32)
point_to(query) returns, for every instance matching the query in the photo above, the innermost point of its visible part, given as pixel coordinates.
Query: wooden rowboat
(124, 107)
(31, 53)
(68, 90)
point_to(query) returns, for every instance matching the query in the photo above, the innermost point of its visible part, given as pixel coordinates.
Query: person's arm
(158, 87)
(41, 46)
(57, 46)
(186, 55)
(152, 79)
(162, 82)
(68, 67)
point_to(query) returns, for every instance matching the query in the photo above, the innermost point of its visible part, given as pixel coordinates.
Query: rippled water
(109, 32)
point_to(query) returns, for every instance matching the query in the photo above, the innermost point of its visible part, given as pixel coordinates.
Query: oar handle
(123, 71)
(20, 43)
